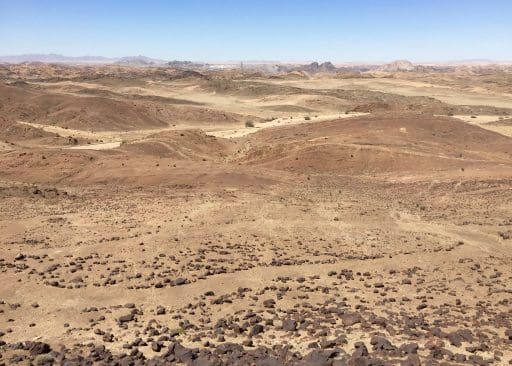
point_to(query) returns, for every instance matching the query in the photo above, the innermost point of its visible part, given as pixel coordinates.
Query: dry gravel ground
(380, 238)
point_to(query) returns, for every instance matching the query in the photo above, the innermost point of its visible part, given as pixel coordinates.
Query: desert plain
(160, 215)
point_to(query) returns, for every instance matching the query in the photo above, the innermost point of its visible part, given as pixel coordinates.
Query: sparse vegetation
(42, 360)
(249, 124)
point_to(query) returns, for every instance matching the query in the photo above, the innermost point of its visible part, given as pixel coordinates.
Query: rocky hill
(398, 65)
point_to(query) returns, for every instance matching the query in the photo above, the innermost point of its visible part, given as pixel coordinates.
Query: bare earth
(156, 216)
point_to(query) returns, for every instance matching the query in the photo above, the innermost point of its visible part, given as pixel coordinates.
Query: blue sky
(288, 30)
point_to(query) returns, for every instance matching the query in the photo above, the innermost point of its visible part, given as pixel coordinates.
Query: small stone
(289, 325)
(126, 318)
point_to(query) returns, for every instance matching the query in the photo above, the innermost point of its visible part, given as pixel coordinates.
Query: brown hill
(107, 112)
(15, 134)
(83, 113)
(378, 144)
(10, 130)
(247, 88)
(180, 145)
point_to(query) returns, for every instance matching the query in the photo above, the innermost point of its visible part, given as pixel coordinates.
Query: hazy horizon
(287, 31)
(82, 58)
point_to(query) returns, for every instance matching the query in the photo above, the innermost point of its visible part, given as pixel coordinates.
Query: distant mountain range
(54, 58)
(148, 61)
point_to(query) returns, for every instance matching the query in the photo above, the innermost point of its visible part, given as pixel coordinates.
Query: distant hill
(312, 68)
(316, 67)
(140, 61)
(54, 58)
(186, 64)
(398, 65)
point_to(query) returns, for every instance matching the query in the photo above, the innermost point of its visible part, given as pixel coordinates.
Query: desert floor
(176, 217)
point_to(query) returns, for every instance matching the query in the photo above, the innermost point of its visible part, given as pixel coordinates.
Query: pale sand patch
(244, 131)
(483, 122)
(101, 146)
(478, 120)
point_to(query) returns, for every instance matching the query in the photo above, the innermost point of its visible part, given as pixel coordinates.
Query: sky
(280, 30)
